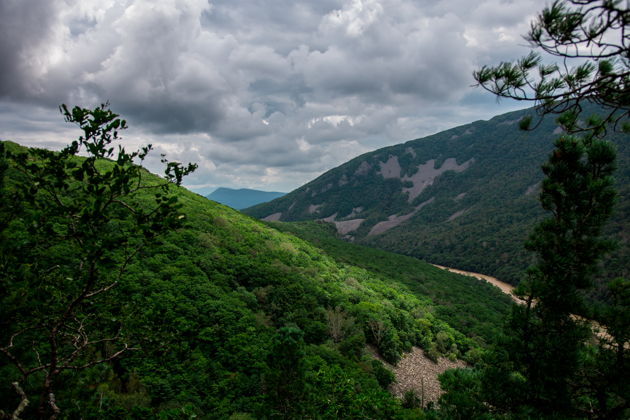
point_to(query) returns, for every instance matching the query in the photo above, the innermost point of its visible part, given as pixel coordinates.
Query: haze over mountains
(465, 197)
(242, 198)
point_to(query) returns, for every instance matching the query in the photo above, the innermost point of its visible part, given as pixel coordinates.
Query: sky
(260, 94)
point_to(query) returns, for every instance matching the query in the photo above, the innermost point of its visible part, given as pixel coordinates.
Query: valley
(224, 307)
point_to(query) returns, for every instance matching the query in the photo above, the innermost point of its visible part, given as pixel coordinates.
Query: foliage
(83, 229)
(384, 376)
(473, 307)
(591, 34)
(549, 364)
(285, 380)
(578, 192)
(207, 307)
(462, 397)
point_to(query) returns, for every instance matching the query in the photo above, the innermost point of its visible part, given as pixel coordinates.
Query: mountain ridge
(242, 197)
(465, 197)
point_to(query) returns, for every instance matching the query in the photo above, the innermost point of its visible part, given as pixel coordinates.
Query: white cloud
(354, 18)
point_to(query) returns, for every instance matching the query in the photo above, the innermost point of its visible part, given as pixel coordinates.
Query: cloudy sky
(262, 94)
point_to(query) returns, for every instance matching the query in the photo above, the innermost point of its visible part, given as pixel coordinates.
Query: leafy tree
(463, 399)
(593, 34)
(70, 228)
(285, 378)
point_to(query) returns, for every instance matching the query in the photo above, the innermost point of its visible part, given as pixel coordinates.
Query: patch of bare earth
(363, 169)
(314, 208)
(532, 189)
(416, 372)
(391, 168)
(457, 214)
(347, 226)
(273, 217)
(393, 220)
(427, 173)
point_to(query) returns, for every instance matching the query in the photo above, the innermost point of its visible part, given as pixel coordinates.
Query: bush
(390, 347)
(384, 376)
(411, 400)
(432, 352)
(352, 347)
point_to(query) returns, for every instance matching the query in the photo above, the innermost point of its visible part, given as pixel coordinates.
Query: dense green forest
(125, 296)
(198, 310)
(473, 307)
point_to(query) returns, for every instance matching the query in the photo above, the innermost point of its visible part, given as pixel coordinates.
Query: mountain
(465, 197)
(225, 317)
(242, 198)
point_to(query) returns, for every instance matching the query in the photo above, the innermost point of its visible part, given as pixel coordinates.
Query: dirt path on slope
(599, 331)
(505, 287)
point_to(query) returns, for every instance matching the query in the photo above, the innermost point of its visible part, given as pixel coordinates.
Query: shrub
(384, 376)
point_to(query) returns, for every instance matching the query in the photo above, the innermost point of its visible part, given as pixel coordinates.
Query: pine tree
(549, 363)
(546, 341)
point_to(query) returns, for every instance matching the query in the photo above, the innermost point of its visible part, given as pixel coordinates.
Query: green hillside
(224, 317)
(467, 304)
(466, 197)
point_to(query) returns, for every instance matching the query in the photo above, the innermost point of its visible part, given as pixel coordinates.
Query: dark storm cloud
(24, 27)
(258, 92)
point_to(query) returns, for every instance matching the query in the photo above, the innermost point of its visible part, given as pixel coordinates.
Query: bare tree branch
(97, 362)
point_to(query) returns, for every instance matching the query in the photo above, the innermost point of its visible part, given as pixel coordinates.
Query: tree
(285, 378)
(593, 35)
(548, 363)
(69, 230)
(547, 342)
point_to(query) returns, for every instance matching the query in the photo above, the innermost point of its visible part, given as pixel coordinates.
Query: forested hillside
(464, 198)
(223, 316)
(470, 305)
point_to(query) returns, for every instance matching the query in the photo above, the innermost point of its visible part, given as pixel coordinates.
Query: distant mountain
(466, 197)
(242, 198)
